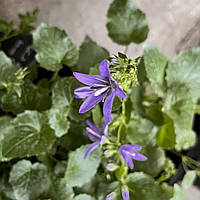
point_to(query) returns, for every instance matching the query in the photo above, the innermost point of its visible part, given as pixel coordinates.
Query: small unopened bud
(114, 61)
(109, 153)
(111, 167)
(110, 196)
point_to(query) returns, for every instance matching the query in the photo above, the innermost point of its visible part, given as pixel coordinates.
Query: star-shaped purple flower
(96, 135)
(128, 153)
(99, 87)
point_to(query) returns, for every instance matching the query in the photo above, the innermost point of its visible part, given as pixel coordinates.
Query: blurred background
(174, 25)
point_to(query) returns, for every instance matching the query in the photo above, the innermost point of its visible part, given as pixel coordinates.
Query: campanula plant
(82, 124)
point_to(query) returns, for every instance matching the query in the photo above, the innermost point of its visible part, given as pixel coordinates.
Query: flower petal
(107, 107)
(139, 157)
(92, 135)
(130, 148)
(101, 90)
(91, 148)
(104, 69)
(103, 139)
(83, 92)
(90, 80)
(93, 127)
(120, 93)
(90, 102)
(105, 130)
(127, 159)
(125, 193)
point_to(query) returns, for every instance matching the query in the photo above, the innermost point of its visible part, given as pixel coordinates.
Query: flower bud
(109, 153)
(110, 196)
(111, 167)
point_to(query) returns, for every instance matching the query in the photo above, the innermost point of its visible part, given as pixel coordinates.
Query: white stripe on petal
(93, 132)
(99, 85)
(102, 80)
(100, 91)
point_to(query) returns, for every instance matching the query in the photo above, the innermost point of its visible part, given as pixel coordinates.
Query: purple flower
(125, 193)
(96, 135)
(128, 152)
(99, 87)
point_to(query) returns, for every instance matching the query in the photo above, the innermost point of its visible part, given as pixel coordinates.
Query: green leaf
(26, 20)
(31, 136)
(7, 70)
(179, 106)
(155, 114)
(5, 27)
(185, 70)
(32, 98)
(126, 23)
(5, 128)
(145, 187)
(62, 92)
(178, 193)
(79, 170)
(58, 120)
(188, 179)
(28, 180)
(67, 141)
(155, 65)
(83, 197)
(6, 191)
(90, 54)
(53, 48)
(155, 162)
(74, 111)
(97, 115)
(166, 137)
(141, 131)
(60, 190)
(137, 96)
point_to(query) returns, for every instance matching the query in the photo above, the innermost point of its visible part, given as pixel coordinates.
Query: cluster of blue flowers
(104, 88)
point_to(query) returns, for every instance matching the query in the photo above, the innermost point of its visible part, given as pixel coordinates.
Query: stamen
(100, 91)
(93, 133)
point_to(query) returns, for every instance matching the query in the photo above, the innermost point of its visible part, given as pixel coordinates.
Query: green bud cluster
(124, 70)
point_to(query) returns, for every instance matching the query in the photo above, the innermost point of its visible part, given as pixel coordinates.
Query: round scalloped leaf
(79, 170)
(145, 187)
(126, 23)
(53, 47)
(28, 180)
(30, 136)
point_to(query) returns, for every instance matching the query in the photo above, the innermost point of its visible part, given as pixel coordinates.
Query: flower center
(107, 87)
